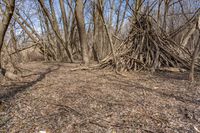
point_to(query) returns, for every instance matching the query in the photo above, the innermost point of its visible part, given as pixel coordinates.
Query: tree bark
(195, 53)
(7, 15)
(99, 36)
(55, 24)
(138, 7)
(81, 29)
(65, 25)
(159, 11)
(188, 36)
(166, 10)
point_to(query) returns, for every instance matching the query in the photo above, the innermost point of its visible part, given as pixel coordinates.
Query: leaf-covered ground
(54, 98)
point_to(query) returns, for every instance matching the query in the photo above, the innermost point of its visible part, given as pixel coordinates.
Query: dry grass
(53, 98)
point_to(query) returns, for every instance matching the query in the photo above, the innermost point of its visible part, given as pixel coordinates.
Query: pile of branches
(148, 48)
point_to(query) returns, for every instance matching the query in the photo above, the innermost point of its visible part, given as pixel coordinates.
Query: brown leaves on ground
(52, 98)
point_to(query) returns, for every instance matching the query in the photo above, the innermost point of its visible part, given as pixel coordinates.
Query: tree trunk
(65, 25)
(99, 31)
(188, 36)
(7, 15)
(166, 9)
(112, 9)
(14, 42)
(138, 7)
(159, 11)
(108, 34)
(55, 24)
(195, 53)
(81, 29)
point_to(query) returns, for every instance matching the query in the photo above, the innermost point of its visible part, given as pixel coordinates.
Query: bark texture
(81, 29)
(7, 15)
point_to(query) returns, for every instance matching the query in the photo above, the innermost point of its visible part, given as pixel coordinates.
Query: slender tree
(54, 25)
(195, 53)
(81, 29)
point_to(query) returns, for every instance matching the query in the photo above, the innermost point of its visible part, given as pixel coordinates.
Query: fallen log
(172, 69)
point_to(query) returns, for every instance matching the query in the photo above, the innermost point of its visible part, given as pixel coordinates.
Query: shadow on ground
(12, 90)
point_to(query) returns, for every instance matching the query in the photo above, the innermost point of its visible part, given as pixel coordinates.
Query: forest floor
(51, 97)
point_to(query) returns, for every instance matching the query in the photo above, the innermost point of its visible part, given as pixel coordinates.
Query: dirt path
(55, 99)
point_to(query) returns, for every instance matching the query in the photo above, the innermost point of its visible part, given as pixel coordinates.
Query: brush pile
(148, 48)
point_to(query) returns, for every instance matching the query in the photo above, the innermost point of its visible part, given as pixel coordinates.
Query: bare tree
(81, 29)
(7, 15)
(65, 25)
(98, 30)
(54, 25)
(107, 27)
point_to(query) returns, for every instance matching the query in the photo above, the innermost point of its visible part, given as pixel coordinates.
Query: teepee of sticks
(148, 48)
